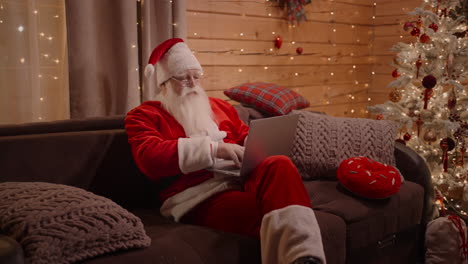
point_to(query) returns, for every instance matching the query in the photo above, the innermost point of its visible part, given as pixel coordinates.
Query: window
(33, 61)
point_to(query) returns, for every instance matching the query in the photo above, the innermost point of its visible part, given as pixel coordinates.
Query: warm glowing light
(20, 28)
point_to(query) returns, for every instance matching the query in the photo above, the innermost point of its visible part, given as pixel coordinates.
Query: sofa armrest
(10, 251)
(415, 169)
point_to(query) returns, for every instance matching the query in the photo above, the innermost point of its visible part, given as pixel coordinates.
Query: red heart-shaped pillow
(368, 178)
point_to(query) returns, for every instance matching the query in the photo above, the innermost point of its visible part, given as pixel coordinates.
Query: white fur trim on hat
(149, 69)
(177, 59)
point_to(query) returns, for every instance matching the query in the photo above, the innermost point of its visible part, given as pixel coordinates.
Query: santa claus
(176, 138)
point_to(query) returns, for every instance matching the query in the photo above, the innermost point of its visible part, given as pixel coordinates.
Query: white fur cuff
(194, 154)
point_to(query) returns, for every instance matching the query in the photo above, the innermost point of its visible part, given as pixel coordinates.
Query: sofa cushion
(322, 142)
(368, 221)
(173, 242)
(368, 178)
(267, 97)
(56, 223)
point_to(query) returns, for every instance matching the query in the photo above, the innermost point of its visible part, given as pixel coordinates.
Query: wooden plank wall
(390, 18)
(234, 40)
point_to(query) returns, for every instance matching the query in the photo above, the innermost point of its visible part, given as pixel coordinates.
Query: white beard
(193, 111)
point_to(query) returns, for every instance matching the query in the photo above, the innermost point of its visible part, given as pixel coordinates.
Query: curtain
(103, 57)
(33, 61)
(109, 44)
(161, 20)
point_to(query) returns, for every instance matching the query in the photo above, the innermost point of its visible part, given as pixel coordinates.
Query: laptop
(267, 137)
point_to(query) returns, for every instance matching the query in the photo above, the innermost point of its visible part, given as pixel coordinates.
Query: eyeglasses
(186, 81)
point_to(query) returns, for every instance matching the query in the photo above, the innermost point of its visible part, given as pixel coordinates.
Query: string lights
(50, 54)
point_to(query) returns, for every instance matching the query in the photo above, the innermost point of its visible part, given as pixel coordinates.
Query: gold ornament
(430, 136)
(395, 96)
(417, 83)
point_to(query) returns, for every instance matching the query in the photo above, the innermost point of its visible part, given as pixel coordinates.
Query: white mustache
(186, 90)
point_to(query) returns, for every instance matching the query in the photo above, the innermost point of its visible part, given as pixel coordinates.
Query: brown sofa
(93, 154)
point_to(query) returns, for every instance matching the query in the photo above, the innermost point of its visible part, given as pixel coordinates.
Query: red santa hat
(171, 58)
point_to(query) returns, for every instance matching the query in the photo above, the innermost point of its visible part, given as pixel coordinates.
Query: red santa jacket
(153, 134)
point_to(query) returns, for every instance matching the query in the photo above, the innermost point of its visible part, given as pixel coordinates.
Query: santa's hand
(230, 151)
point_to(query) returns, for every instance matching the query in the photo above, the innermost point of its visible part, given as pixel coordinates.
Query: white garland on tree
(441, 50)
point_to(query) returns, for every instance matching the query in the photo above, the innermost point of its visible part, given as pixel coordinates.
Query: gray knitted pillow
(322, 142)
(62, 224)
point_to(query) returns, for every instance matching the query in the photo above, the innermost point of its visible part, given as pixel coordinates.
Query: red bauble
(434, 27)
(379, 117)
(447, 144)
(407, 137)
(407, 26)
(424, 38)
(395, 74)
(451, 103)
(415, 32)
(299, 50)
(278, 41)
(429, 81)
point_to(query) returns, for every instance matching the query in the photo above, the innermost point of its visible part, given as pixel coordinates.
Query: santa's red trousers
(274, 184)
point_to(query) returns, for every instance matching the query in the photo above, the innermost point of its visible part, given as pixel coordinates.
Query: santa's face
(185, 99)
(186, 83)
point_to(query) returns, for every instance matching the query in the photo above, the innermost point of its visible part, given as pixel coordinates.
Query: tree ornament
(447, 144)
(278, 41)
(434, 27)
(427, 95)
(454, 117)
(299, 50)
(419, 22)
(424, 39)
(452, 100)
(429, 81)
(418, 65)
(407, 26)
(407, 136)
(419, 123)
(417, 83)
(295, 9)
(379, 117)
(443, 12)
(430, 136)
(395, 74)
(395, 96)
(415, 32)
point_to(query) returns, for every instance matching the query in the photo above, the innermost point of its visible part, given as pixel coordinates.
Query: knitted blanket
(322, 142)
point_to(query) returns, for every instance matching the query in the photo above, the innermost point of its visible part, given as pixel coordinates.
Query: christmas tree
(429, 95)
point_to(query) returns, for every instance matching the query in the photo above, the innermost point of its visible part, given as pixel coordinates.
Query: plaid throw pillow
(267, 97)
